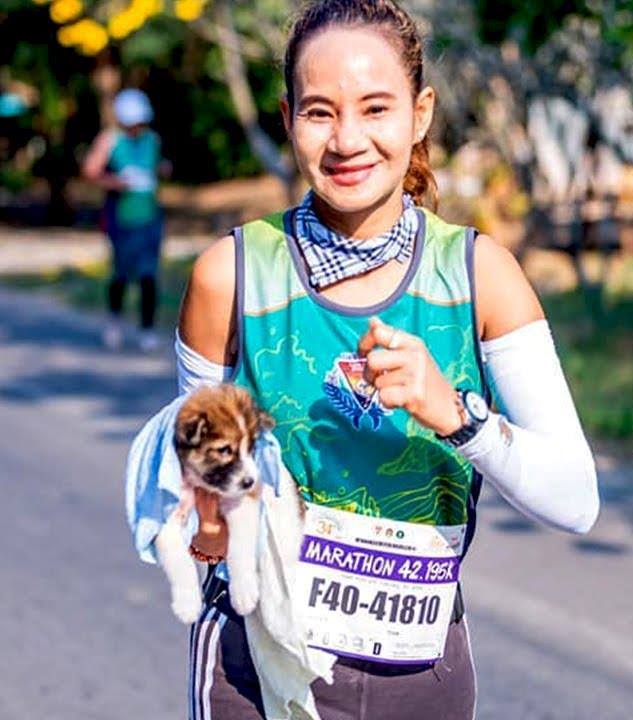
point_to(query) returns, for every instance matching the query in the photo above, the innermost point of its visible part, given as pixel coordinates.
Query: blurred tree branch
(229, 39)
(236, 77)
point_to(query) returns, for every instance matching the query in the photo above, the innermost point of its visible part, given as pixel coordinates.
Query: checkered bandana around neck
(331, 257)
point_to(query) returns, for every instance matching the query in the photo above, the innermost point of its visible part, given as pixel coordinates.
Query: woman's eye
(318, 114)
(377, 109)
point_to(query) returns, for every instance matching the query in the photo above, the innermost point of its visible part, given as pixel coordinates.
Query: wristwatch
(475, 412)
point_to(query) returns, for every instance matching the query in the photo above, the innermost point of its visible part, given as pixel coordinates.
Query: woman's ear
(423, 112)
(286, 113)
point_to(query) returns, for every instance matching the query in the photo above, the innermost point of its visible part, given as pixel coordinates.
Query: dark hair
(400, 30)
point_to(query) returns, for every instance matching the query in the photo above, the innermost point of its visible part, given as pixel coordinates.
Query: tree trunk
(235, 74)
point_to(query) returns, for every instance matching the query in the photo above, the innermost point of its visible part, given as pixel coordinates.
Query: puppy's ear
(256, 418)
(264, 420)
(191, 432)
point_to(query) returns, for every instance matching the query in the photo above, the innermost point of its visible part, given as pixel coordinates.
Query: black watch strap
(476, 413)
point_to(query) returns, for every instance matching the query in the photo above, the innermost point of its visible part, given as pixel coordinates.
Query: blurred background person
(126, 162)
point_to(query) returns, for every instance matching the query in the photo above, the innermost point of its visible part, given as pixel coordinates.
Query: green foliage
(14, 179)
(532, 24)
(596, 354)
(156, 43)
(528, 23)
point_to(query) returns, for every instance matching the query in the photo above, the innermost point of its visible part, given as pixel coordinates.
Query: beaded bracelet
(203, 557)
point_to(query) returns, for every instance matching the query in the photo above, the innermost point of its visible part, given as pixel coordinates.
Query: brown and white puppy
(214, 438)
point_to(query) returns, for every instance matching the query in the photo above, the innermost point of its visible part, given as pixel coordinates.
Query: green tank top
(136, 159)
(297, 358)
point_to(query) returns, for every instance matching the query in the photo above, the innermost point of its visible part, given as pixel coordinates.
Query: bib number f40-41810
(392, 608)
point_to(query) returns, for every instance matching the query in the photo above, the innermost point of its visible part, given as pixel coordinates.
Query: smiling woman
(355, 119)
(353, 321)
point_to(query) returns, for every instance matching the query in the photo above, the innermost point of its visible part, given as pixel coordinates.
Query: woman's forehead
(353, 61)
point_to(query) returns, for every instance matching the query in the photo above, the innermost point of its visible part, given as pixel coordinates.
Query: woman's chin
(351, 198)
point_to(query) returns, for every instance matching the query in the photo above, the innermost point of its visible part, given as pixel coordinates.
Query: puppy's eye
(224, 450)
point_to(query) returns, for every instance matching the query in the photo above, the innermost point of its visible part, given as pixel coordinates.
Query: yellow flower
(132, 17)
(89, 37)
(94, 44)
(62, 11)
(188, 10)
(66, 36)
(120, 25)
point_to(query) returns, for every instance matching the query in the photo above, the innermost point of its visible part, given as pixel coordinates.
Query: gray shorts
(223, 682)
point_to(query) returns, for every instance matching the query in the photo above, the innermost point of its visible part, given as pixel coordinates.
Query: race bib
(377, 589)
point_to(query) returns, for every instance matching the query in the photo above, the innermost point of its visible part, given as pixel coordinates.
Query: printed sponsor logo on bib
(377, 589)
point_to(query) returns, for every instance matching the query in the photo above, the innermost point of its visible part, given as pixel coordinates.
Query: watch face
(475, 405)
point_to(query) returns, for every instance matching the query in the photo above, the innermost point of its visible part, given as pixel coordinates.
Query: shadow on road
(120, 396)
(53, 354)
(601, 548)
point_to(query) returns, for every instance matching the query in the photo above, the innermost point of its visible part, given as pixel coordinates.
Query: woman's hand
(406, 376)
(212, 536)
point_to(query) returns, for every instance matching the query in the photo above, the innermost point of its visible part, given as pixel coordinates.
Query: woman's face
(354, 119)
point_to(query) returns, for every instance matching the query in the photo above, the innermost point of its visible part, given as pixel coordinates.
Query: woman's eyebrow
(379, 95)
(309, 99)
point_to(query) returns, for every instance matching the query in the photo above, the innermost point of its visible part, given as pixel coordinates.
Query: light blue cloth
(153, 478)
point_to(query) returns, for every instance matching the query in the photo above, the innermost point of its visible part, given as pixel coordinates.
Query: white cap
(132, 107)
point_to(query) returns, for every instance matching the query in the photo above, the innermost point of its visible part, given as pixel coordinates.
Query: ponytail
(420, 181)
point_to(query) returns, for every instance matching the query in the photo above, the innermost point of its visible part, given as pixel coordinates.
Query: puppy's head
(215, 433)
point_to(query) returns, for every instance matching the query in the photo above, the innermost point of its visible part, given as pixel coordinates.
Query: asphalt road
(86, 629)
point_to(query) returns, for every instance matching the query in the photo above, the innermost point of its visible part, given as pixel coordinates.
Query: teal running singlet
(136, 160)
(297, 357)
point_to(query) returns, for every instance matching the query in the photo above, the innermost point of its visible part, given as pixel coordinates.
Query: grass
(594, 335)
(595, 344)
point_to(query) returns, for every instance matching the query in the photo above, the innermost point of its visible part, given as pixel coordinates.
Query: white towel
(285, 665)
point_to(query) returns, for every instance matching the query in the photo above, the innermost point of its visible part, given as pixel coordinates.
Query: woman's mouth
(348, 175)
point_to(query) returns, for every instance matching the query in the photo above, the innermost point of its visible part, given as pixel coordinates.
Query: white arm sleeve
(194, 370)
(540, 460)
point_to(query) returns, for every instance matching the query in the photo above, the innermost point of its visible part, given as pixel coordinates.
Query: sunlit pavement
(86, 628)
(33, 250)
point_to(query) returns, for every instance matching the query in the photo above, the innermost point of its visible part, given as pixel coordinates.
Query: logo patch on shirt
(349, 392)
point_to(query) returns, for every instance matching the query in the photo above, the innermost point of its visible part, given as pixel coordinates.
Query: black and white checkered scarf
(331, 257)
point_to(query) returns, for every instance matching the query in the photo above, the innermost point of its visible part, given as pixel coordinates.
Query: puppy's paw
(244, 593)
(186, 604)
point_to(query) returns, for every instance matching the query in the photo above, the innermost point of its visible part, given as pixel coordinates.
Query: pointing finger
(390, 337)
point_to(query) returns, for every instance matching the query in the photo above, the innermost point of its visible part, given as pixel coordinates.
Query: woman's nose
(348, 136)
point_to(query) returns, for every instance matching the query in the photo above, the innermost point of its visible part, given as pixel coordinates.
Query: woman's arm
(207, 326)
(538, 459)
(505, 299)
(94, 164)
(207, 314)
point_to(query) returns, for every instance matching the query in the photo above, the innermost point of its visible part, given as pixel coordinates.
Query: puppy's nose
(248, 482)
